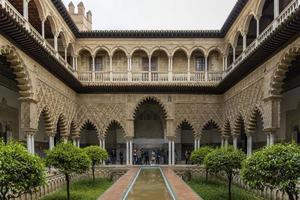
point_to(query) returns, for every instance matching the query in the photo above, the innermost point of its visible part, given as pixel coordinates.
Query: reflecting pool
(149, 185)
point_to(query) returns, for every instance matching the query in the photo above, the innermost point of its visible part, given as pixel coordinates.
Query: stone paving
(181, 189)
(118, 189)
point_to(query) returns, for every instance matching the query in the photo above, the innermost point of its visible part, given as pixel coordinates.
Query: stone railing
(186, 172)
(14, 13)
(145, 76)
(290, 9)
(54, 182)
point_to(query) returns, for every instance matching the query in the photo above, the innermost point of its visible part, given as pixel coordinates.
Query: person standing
(134, 156)
(146, 158)
(142, 156)
(153, 157)
(186, 155)
(121, 157)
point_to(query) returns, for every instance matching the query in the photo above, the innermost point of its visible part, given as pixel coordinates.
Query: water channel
(150, 184)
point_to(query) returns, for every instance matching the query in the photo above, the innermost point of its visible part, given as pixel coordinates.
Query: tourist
(158, 157)
(186, 155)
(153, 157)
(134, 156)
(146, 158)
(142, 156)
(139, 157)
(121, 157)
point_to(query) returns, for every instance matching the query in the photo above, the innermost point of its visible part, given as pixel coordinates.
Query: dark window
(98, 63)
(200, 64)
(145, 64)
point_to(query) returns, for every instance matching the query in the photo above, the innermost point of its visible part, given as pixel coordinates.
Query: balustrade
(284, 15)
(145, 75)
(20, 19)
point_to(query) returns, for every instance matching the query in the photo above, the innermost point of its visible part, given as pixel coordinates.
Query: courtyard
(159, 114)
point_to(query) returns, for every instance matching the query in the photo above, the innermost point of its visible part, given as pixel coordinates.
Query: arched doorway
(149, 132)
(239, 44)
(88, 135)
(41, 141)
(251, 29)
(239, 135)
(9, 103)
(115, 143)
(211, 135)
(290, 105)
(267, 15)
(184, 142)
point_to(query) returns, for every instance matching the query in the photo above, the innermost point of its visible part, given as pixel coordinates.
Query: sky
(157, 14)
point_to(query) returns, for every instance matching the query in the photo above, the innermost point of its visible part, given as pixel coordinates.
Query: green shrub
(20, 171)
(224, 160)
(97, 155)
(68, 159)
(277, 166)
(198, 156)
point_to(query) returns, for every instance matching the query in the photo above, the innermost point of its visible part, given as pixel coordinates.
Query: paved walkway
(181, 189)
(118, 189)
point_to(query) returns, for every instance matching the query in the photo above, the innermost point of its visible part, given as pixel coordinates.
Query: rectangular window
(154, 64)
(99, 63)
(145, 64)
(200, 64)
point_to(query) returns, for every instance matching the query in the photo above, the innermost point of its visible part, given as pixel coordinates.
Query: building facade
(170, 91)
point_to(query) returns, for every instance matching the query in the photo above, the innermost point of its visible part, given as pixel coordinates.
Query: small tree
(97, 155)
(68, 159)
(20, 171)
(227, 160)
(275, 166)
(198, 156)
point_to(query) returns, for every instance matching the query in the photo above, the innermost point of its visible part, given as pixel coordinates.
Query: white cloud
(157, 14)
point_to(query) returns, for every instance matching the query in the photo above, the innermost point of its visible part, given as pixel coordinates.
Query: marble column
(234, 137)
(173, 152)
(249, 145)
(170, 152)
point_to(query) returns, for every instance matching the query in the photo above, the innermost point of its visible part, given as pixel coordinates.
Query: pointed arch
(248, 19)
(90, 123)
(236, 38)
(226, 128)
(151, 99)
(48, 121)
(238, 123)
(186, 123)
(253, 118)
(111, 124)
(277, 80)
(62, 125)
(211, 124)
(64, 39)
(74, 129)
(19, 69)
(52, 22)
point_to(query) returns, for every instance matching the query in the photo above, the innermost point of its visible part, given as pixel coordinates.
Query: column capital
(273, 98)
(75, 137)
(29, 131)
(226, 137)
(129, 137)
(28, 100)
(171, 137)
